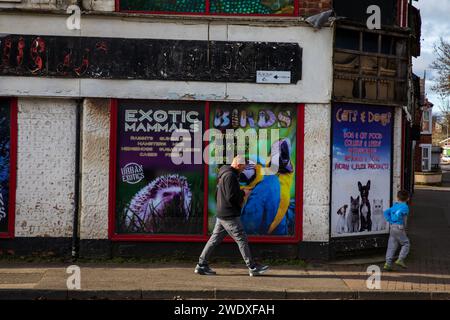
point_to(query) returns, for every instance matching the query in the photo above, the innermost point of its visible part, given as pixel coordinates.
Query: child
(397, 218)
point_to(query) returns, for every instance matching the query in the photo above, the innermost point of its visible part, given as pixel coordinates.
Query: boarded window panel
(253, 6)
(189, 6)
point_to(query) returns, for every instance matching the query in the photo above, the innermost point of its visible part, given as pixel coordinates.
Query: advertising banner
(153, 194)
(269, 145)
(5, 145)
(361, 169)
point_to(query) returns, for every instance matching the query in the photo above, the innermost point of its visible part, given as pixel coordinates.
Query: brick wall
(311, 7)
(418, 159)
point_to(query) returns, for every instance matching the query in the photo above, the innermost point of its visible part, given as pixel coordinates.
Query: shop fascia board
(269, 21)
(141, 89)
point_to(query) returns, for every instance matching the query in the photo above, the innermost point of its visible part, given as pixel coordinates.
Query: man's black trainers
(204, 270)
(257, 270)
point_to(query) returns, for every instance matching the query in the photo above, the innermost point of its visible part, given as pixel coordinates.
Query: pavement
(428, 275)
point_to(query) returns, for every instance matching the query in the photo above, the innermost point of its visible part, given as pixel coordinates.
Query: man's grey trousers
(235, 229)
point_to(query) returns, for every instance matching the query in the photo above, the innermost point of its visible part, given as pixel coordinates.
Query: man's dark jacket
(229, 194)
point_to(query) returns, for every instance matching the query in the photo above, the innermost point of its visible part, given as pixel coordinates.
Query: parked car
(445, 159)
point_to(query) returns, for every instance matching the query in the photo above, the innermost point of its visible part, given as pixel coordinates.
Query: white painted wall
(316, 193)
(99, 5)
(315, 86)
(95, 169)
(91, 5)
(37, 4)
(45, 167)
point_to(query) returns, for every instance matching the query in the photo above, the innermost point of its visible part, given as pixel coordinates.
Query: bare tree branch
(442, 66)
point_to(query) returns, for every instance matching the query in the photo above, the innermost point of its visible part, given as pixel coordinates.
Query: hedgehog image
(162, 206)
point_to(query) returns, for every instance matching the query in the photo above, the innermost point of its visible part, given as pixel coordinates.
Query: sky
(435, 24)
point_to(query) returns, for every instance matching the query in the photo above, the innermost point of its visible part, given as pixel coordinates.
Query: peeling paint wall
(314, 87)
(316, 211)
(38, 4)
(95, 169)
(99, 5)
(45, 167)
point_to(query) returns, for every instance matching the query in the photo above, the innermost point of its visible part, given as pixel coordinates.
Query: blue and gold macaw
(269, 204)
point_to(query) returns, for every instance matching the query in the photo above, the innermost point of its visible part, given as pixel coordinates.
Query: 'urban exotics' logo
(132, 173)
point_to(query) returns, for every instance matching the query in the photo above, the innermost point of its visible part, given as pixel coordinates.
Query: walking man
(229, 203)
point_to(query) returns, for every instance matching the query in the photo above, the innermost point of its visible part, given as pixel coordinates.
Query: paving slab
(428, 275)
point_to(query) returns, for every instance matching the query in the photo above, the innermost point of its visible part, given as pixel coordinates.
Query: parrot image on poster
(268, 206)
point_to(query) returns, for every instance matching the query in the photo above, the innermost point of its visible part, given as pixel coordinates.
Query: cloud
(435, 25)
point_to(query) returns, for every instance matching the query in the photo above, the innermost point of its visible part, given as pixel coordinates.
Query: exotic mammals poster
(153, 194)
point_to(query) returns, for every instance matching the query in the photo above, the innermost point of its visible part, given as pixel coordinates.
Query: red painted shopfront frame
(12, 170)
(204, 237)
(208, 13)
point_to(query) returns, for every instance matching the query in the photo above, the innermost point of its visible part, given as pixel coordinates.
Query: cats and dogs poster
(361, 169)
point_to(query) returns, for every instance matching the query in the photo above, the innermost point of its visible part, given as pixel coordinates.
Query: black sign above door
(146, 59)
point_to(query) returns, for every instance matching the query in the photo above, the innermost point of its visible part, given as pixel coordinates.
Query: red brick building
(422, 156)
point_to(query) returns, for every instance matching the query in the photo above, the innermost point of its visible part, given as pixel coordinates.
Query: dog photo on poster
(361, 169)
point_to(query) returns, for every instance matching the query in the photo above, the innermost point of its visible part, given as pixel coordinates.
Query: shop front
(165, 157)
(126, 128)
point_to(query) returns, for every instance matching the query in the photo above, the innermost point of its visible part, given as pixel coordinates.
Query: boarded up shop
(372, 126)
(96, 108)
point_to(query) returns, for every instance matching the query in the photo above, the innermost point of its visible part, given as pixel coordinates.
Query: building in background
(423, 149)
(90, 113)
(427, 156)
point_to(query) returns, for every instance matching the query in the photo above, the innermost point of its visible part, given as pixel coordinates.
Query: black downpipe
(76, 214)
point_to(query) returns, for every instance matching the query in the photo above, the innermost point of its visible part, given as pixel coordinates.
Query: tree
(442, 66)
(443, 119)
